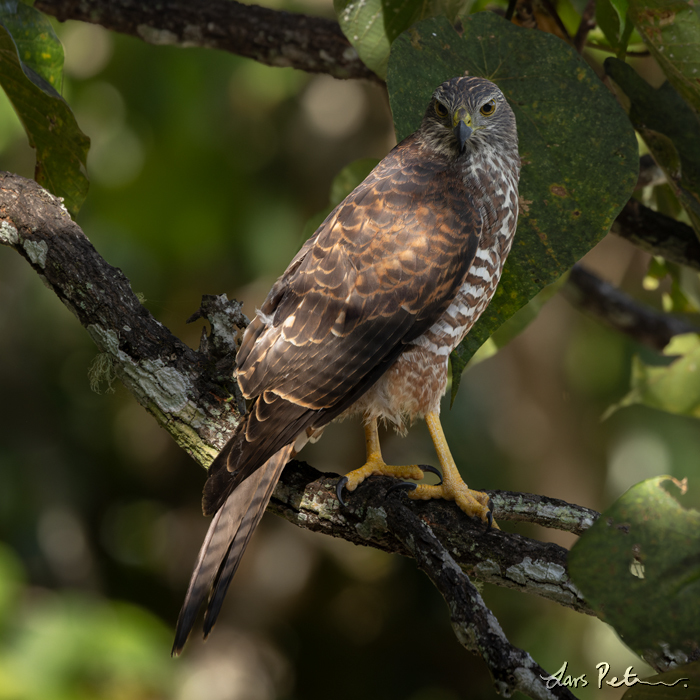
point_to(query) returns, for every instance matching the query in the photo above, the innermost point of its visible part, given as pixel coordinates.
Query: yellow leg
(453, 488)
(375, 463)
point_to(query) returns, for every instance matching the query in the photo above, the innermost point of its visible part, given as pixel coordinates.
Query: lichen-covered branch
(273, 37)
(185, 390)
(475, 626)
(307, 498)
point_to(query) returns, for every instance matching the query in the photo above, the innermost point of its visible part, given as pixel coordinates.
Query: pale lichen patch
(164, 385)
(486, 569)
(158, 37)
(528, 570)
(36, 251)
(8, 234)
(106, 340)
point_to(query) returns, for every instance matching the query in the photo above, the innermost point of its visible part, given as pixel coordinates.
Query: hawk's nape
(364, 319)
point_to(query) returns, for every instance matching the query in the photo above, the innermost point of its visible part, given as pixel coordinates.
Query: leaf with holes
(579, 152)
(639, 567)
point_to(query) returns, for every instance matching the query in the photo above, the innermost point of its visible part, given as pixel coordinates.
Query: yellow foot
(453, 488)
(473, 503)
(376, 465)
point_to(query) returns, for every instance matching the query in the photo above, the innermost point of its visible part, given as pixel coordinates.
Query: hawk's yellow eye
(489, 108)
(440, 109)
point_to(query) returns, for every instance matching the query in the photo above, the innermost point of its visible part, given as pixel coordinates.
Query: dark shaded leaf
(671, 130)
(579, 151)
(61, 147)
(611, 16)
(639, 567)
(671, 31)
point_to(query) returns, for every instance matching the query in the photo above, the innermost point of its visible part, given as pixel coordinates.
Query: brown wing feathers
(377, 274)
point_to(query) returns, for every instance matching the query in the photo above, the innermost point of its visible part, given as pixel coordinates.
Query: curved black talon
(401, 485)
(432, 470)
(339, 489)
(489, 515)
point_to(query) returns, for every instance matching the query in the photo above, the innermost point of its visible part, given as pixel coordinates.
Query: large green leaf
(671, 130)
(639, 567)
(372, 25)
(579, 152)
(671, 30)
(675, 387)
(27, 75)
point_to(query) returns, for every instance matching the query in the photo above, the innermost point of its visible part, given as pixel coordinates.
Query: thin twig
(585, 26)
(658, 234)
(552, 10)
(619, 311)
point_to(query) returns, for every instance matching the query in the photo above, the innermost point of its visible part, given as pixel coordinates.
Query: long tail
(223, 547)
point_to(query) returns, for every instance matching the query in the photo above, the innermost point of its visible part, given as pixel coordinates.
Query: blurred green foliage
(204, 168)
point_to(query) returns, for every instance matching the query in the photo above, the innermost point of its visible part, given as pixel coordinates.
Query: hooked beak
(462, 132)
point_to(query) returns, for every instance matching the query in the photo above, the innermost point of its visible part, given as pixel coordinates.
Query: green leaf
(579, 152)
(680, 684)
(671, 31)
(61, 147)
(37, 44)
(372, 25)
(674, 388)
(611, 17)
(639, 567)
(671, 130)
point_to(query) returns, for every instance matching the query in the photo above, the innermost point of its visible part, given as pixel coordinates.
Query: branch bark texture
(272, 37)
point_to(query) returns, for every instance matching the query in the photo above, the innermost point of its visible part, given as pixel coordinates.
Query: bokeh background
(204, 169)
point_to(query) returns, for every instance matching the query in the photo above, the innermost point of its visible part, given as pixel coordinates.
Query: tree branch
(474, 624)
(619, 311)
(272, 37)
(307, 498)
(187, 391)
(586, 25)
(658, 234)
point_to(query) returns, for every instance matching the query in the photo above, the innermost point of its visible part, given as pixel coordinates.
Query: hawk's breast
(415, 383)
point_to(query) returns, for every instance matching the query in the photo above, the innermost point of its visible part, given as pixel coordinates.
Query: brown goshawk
(365, 317)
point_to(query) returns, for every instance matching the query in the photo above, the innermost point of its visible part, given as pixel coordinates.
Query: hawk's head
(466, 114)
